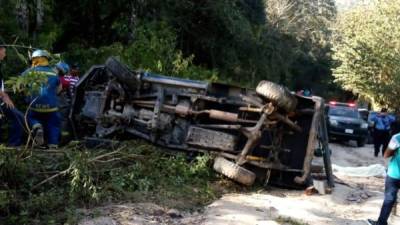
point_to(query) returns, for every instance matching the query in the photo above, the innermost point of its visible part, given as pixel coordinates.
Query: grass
(288, 220)
(42, 187)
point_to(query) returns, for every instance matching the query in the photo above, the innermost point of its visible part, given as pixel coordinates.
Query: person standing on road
(382, 124)
(7, 108)
(392, 183)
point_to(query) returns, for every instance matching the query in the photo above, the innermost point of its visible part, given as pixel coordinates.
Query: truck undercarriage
(268, 133)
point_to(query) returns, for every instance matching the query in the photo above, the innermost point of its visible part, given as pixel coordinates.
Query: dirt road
(352, 201)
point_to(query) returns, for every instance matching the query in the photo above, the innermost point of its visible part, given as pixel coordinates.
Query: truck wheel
(122, 73)
(233, 171)
(277, 94)
(361, 142)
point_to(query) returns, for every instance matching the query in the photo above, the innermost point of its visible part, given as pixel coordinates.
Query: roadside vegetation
(367, 50)
(240, 41)
(47, 186)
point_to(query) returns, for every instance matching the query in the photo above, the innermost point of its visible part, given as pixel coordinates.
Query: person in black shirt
(7, 108)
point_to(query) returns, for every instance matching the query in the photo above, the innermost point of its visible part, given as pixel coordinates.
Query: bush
(47, 187)
(154, 49)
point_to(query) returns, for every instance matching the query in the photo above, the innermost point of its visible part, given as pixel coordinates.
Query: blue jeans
(16, 128)
(51, 123)
(391, 188)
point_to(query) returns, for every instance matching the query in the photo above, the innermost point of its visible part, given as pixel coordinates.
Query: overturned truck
(268, 133)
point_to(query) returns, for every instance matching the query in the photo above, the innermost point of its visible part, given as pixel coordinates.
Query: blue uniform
(16, 128)
(381, 132)
(383, 122)
(47, 100)
(44, 109)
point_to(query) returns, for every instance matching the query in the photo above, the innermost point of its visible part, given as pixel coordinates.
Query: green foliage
(302, 43)
(248, 45)
(153, 50)
(81, 182)
(78, 177)
(367, 50)
(240, 41)
(28, 84)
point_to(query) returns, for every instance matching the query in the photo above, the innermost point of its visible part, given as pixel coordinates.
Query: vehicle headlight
(364, 125)
(333, 122)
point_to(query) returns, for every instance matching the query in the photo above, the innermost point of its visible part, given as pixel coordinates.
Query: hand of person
(386, 163)
(7, 100)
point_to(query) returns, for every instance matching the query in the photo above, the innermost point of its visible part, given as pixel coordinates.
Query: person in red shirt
(69, 78)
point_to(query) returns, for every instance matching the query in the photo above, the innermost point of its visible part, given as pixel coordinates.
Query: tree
(367, 49)
(286, 41)
(304, 29)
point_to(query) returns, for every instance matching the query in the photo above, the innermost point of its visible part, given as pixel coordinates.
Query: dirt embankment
(352, 201)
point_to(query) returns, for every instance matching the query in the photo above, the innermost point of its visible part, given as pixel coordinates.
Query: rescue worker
(382, 124)
(44, 114)
(8, 109)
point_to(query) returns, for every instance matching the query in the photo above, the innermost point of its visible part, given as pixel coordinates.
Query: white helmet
(40, 53)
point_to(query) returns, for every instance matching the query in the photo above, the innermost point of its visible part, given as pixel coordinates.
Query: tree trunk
(39, 14)
(22, 14)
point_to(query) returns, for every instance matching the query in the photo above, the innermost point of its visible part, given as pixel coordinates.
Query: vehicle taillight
(332, 103)
(352, 104)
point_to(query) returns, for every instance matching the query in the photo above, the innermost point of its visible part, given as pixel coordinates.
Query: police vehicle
(345, 123)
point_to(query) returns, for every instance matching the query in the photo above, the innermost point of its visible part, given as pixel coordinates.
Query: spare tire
(122, 73)
(278, 94)
(233, 171)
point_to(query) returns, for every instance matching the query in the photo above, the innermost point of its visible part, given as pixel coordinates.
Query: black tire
(122, 73)
(278, 94)
(361, 142)
(233, 171)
